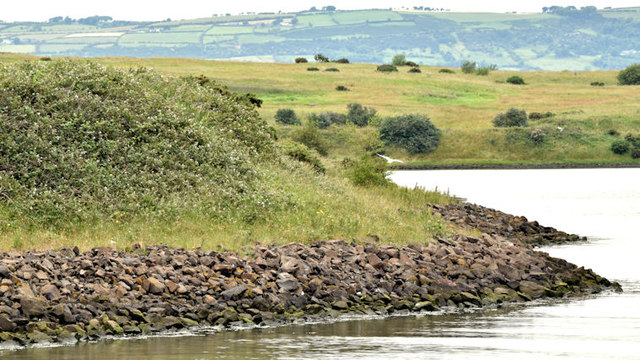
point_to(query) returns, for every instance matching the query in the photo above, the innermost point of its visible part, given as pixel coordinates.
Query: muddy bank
(512, 166)
(68, 296)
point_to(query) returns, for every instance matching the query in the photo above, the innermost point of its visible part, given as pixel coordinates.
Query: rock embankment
(502, 225)
(67, 296)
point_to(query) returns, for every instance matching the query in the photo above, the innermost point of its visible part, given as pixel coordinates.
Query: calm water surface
(603, 204)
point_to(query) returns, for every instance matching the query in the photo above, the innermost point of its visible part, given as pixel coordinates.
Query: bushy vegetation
(483, 71)
(413, 132)
(597, 83)
(515, 80)
(446, 71)
(341, 61)
(287, 117)
(342, 88)
(412, 64)
(321, 58)
(630, 75)
(310, 136)
(512, 118)
(324, 120)
(620, 147)
(387, 68)
(415, 70)
(540, 115)
(468, 67)
(369, 170)
(360, 115)
(537, 136)
(399, 60)
(332, 69)
(80, 142)
(302, 153)
(313, 68)
(301, 60)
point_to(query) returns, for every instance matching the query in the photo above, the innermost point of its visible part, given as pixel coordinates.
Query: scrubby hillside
(92, 155)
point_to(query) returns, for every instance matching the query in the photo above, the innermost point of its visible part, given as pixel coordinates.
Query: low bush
(630, 75)
(415, 70)
(634, 140)
(468, 67)
(332, 69)
(313, 69)
(302, 153)
(321, 58)
(515, 80)
(620, 147)
(301, 60)
(483, 71)
(613, 132)
(412, 64)
(360, 115)
(45, 58)
(368, 171)
(287, 117)
(342, 88)
(324, 120)
(310, 136)
(513, 117)
(341, 61)
(597, 83)
(635, 153)
(539, 115)
(413, 132)
(537, 136)
(446, 71)
(387, 68)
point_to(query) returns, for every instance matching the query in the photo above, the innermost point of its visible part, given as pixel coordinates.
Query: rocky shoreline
(67, 296)
(513, 166)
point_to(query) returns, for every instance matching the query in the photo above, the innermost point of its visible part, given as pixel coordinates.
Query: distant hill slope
(556, 40)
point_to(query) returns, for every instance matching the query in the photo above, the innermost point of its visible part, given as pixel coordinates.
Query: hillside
(555, 40)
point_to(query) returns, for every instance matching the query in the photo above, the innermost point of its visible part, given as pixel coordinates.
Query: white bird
(390, 160)
(560, 128)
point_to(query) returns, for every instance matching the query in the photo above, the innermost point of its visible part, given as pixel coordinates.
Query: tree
(301, 60)
(399, 60)
(287, 117)
(321, 58)
(630, 75)
(468, 67)
(360, 115)
(413, 132)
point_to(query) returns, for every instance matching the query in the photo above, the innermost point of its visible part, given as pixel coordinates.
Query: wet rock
(32, 307)
(6, 324)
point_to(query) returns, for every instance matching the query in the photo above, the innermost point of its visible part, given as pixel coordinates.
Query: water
(603, 204)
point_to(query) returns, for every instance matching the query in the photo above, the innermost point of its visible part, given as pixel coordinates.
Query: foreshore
(67, 296)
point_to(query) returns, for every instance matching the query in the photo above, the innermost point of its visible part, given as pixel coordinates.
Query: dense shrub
(446, 71)
(301, 60)
(360, 115)
(287, 117)
(415, 70)
(386, 68)
(620, 147)
(324, 120)
(413, 132)
(630, 75)
(302, 153)
(321, 58)
(311, 137)
(634, 140)
(412, 64)
(513, 117)
(80, 141)
(635, 153)
(332, 69)
(613, 132)
(468, 67)
(342, 88)
(483, 71)
(515, 80)
(539, 115)
(45, 58)
(368, 171)
(597, 83)
(342, 61)
(537, 136)
(399, 60)
(313, 69)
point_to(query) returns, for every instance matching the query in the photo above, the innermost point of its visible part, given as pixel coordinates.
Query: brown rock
(50, 291)
(6, 324)
(32, 307)
(375, 261)
(155, 286)
(171, 286)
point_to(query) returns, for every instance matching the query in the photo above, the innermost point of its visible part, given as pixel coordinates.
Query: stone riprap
(68, 296)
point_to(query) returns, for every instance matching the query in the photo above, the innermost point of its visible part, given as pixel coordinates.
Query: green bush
(80, 142)
(324, 120)
(386, 68)
(539, 115)
(446, 71)
(413, 132)
(368, 171)
(513, 117)
(468, 67)
(301, 60)
(332, 70)
(313, 69)
(620, 147)
(634, 140)
(360, 115)
(302, 153)
(613, 132)
(630, 75)
(515, 80)
(342, 61)
(287, 117)
(321, 58)
(597, 83)
(483, 71)
(537, 136)
(310, 136)
(412, 64)
(399, 60)
(415, 70)
(342, 88)
(635, 153)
